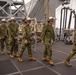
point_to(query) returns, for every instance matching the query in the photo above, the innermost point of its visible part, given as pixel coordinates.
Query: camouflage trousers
(6, 41)
(72, 53)
(48, 50)
(14, 46)
(23, 47)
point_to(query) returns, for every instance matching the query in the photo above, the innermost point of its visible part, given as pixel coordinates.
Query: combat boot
(2, 52)
(11, 56)
(51, 62)
(67, 63)
(45, 59)
(20, 59)
(8, 52)
(32, 59)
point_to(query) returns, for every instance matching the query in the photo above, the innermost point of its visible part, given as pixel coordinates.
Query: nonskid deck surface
(10, 66)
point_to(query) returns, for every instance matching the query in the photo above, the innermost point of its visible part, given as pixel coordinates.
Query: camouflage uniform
(47, 35)
(26, 36)
(73, 52)
(4, 37)
(26, 32)
(13, 28)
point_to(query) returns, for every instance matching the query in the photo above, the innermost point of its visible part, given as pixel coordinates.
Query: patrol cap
(12, 18)
(3, 20)
(51, 18)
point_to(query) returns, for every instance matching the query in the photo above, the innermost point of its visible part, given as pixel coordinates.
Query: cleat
(32, 59)
(20, 59)
(67, 63)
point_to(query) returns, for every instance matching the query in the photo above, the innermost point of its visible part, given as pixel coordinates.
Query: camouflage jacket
(26, 32)
(48, 33)
(3, 31)
(74, 44)
(13, 30)
(75, 37)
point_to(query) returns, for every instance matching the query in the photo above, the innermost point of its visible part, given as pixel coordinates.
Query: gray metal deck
(60, 52)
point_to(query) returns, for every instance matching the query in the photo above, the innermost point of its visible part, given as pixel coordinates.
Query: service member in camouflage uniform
(13, 27)
(22, 25)
(26, 41)
(23, 21)
(20, 30)
(47, 36)
(72, 53)
(4, 36)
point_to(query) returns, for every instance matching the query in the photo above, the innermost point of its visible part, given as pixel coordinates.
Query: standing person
(4, 36)
(26, 41)
(47, 36)
(23, 21)
(22, 25)
(13, 27)
(20, 29)
(72, 53)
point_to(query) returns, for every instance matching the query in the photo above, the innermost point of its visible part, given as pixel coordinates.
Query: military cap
(3, 20)
(12, 18)
(51, 18)
(28, 19)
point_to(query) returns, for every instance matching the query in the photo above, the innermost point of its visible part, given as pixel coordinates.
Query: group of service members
(9, 36)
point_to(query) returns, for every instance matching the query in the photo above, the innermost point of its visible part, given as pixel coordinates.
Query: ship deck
(10, 66)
